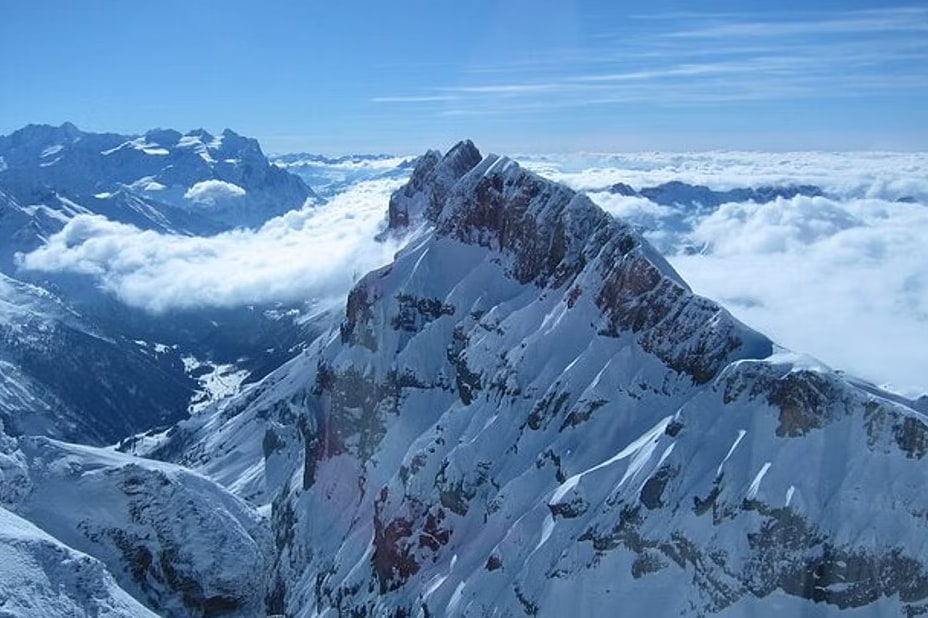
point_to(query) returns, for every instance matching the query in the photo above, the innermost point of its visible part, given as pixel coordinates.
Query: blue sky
(516, 76)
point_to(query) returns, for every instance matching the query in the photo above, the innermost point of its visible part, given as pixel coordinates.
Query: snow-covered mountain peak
(177, 173)
(461, 157)
(42, 135)
(529, 410)
(431, 180)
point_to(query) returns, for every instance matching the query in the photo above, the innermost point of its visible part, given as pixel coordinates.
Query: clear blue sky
(516, 76)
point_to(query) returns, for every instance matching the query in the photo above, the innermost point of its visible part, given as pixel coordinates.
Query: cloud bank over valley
(840, 272)
(308, 254)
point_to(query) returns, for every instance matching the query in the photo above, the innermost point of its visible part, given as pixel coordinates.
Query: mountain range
(80, 365)
(194, 183)
(527, 412)
(329, 175)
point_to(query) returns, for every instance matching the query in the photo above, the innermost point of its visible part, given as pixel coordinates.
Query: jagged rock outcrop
(433, 177)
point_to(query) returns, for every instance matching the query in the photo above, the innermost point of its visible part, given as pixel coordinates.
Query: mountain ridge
(528, 408)
(162, 165)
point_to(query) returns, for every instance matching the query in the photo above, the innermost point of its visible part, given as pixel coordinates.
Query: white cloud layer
(888, 175)
(310, 254)
(846, 281)
(844, 278)
(209, 192)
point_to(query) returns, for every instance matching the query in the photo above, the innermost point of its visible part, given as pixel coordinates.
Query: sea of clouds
(844, 280)
(843, 276)
(309, 254)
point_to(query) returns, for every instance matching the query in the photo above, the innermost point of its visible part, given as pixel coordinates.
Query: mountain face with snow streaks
(528, 413)
(163, 180)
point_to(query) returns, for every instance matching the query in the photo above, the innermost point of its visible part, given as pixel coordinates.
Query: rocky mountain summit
(529, 413)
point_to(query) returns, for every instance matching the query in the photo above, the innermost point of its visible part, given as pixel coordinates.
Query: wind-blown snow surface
(176, 541)
(842, 275)
(528, 412)
(40, 576)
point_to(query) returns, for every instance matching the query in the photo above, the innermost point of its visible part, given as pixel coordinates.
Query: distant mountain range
(330, 175)
(676, 193)
(193, 183)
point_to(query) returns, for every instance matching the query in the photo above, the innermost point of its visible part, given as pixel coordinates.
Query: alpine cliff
(529, 413)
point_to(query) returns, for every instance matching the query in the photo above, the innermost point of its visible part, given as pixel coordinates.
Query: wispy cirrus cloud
(424, 98)
(880, 22)
(695, 58)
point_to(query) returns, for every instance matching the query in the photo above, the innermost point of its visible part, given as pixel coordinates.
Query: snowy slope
(530, 413)
(174, 540)
(40, 576)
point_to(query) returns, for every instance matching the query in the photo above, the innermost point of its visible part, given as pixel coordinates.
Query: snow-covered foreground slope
(175, 541)
(529, 413)
(40, 576)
